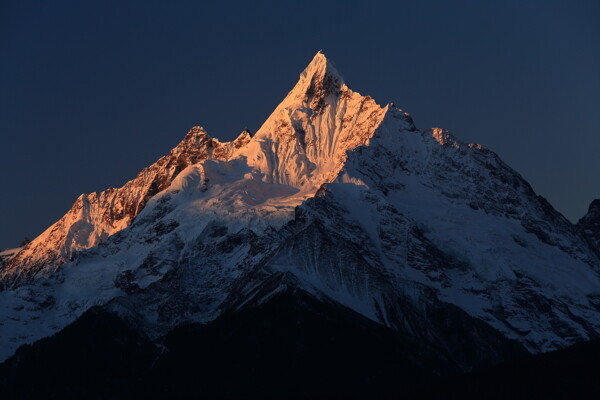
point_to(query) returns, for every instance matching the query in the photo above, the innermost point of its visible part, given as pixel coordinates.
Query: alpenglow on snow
(334, 196)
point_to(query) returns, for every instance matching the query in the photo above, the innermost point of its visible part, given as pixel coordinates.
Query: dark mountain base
(89, 358)
(291, 347)
(572, 373)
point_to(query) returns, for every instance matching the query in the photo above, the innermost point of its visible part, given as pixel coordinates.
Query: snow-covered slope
(338, 197)
(454, 218)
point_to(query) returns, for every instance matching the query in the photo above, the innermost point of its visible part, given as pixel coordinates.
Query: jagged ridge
(95, 216)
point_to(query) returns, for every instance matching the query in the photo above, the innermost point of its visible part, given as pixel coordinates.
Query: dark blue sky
(91, 92)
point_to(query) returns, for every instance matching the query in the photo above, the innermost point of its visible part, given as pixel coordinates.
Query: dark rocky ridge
(291, 346)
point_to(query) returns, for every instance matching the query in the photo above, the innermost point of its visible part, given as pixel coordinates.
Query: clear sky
(93, 91)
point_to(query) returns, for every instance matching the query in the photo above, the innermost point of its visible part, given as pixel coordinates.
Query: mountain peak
(242, 139)
(320, 66)
(245, 132)
(592, 216)
(195, 133)
(319, 80)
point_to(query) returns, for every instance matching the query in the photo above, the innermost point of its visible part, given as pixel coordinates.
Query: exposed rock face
(336, 197)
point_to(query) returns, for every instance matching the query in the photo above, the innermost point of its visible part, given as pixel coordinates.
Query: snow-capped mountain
(335, 197)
